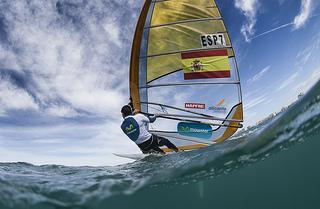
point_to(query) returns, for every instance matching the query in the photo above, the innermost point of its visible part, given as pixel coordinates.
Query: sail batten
(184, 21)
(199, 117)
(184, 69)
(189, 84)
(205, 116)
(183, 51)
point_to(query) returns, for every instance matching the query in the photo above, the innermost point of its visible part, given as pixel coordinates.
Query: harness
(148, 146)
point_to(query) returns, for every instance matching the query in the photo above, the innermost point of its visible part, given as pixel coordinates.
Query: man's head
(126, 111)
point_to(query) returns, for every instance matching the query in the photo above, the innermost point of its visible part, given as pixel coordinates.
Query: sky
(64, 71)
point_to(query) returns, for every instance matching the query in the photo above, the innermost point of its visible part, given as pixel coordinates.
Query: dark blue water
(272, 166)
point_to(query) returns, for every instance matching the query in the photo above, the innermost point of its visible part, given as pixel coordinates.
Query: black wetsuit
(152, 145)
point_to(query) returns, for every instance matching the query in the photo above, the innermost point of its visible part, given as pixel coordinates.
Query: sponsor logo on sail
(194, 106)
(196, 130)
(220, 107)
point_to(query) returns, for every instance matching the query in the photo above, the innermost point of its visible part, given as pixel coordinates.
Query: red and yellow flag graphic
(206, 64)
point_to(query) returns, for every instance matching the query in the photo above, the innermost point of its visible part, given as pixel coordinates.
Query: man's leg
(151, 146)
(165, 142)
(157, 149)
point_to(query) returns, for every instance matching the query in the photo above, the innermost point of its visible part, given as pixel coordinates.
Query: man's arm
(152, 118)
(148, 118)
(131, 104)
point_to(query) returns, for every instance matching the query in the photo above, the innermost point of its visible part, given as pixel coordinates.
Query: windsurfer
(135, 127)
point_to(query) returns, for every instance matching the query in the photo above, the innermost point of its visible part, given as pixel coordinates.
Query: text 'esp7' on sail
(182, 54)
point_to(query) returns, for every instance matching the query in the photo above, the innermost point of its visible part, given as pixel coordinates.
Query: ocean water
(276, 165)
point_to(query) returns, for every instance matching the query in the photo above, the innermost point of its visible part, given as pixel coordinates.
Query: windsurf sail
(183, 68)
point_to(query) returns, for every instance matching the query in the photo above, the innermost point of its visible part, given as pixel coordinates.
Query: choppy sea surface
(275, 165)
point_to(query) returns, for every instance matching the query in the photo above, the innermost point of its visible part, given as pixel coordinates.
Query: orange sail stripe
(201, 75)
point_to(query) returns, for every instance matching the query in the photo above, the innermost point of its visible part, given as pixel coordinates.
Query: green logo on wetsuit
(131, 128)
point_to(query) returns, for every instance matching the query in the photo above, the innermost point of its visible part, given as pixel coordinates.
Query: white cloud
(281, 2)
(256, 106)
(8, 58)
(259, 75)
(309, 53)
(61, 111)
(113, 32)
(82, 61)
(78, 61)
(14, 98)
(305, 12)
(288, 81)
(272, 30)
(254, 102)
(67, 144)
(249, 8)
(311, 80)
(299, 21)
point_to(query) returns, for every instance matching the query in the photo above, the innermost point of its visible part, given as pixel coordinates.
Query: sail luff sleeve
(135, 54)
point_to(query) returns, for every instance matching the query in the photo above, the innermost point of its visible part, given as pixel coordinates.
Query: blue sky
(64, 71)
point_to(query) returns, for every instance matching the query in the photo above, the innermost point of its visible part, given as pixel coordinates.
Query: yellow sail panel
(183, 36)
(163, 65)
(173, 11)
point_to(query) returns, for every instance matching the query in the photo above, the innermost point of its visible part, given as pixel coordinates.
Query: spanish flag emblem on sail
(206, 64)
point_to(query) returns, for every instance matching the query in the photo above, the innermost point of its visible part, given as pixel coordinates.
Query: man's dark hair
(126, 111)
